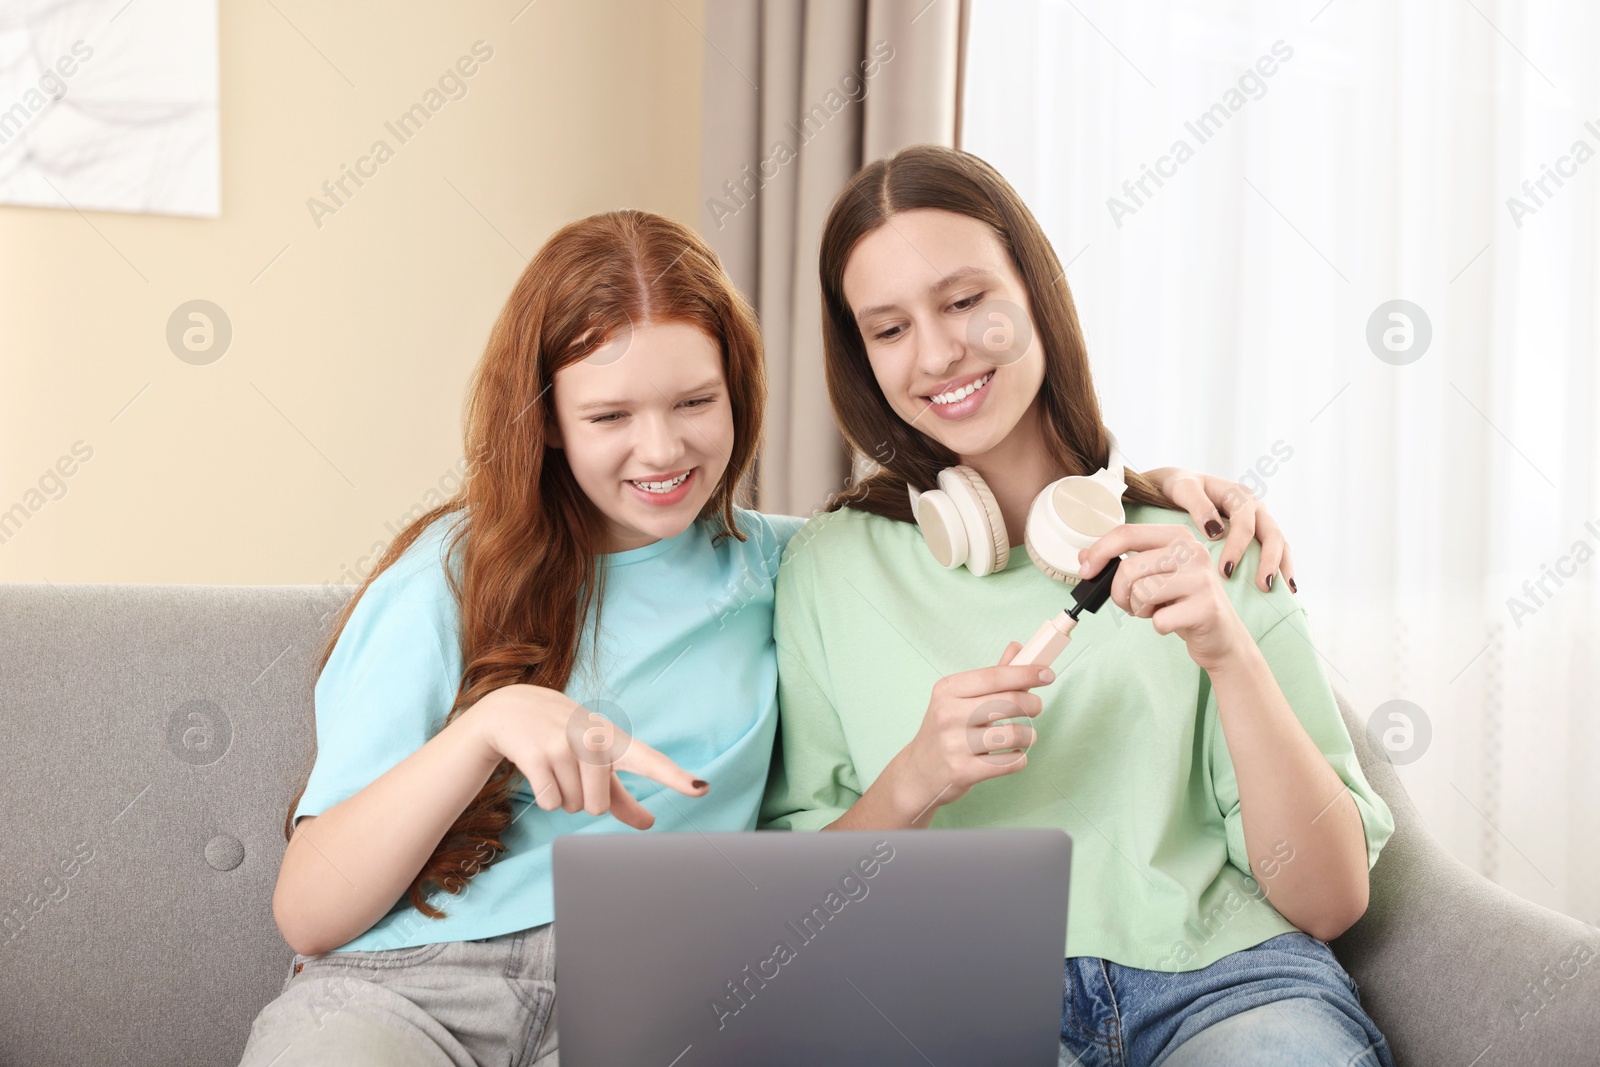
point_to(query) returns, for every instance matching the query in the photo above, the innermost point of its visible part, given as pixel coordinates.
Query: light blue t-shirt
(686, 664)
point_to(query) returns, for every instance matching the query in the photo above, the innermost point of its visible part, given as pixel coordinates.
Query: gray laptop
(905, 947)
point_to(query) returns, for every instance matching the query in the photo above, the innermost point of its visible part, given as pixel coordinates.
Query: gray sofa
(153, 735)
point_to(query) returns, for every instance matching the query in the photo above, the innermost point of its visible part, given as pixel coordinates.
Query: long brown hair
(528, 573)
(931, 176)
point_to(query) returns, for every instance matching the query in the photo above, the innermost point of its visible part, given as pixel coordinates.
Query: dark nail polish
(1269, 583)
(1292, 587)
(699, 783)
(1227, 569)
(1213, 528)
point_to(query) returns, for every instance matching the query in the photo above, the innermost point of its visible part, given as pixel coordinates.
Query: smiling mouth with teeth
(661, 487)
(961, 394)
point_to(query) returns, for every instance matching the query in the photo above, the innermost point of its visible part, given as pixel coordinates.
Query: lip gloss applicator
(1054, 636)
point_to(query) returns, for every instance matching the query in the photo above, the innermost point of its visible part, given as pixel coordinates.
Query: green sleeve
(813, 779)
(1295, 663)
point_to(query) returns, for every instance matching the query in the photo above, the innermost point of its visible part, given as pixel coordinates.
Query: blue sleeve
(772, 533)
(391, 680)
(785, 527)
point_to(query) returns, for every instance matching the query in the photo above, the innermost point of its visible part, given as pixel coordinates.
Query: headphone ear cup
(1046, 540)
(1049, 571)
(943, 530)
(988, 547)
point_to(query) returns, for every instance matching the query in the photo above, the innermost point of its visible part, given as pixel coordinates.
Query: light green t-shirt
(1130, 759)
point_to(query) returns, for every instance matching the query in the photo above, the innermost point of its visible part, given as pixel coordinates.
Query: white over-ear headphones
(961, 523)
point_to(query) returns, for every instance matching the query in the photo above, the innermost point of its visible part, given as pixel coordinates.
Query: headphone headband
(1111, 473)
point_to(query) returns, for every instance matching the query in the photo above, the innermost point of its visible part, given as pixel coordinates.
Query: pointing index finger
(641, 759)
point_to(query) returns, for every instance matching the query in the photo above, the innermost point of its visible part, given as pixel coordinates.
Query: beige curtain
(798, 96)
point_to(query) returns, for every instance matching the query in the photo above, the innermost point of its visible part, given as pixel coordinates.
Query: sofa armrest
(1456, 970)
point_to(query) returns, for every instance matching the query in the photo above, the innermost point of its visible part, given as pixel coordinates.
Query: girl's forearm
(1290, 797)
(888, 804)
(345, 869)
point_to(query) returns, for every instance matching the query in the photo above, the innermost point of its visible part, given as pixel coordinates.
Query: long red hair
(528, 576)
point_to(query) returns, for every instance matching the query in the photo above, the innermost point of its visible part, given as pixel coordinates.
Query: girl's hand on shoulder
(962, 742)
(571, 755)
(1168, 579)
(1216, 504)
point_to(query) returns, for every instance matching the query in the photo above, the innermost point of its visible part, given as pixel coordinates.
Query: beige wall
(337, 407)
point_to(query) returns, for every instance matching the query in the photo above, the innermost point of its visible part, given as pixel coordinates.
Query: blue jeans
(1285, 1001)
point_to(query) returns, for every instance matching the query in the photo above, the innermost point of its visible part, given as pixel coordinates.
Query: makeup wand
(1054, 636)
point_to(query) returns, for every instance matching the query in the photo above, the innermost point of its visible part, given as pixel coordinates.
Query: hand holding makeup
(962, 741)
(1168, 578)
(571, 755)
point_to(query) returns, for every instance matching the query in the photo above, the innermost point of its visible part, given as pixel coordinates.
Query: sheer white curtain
(1241, 190)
